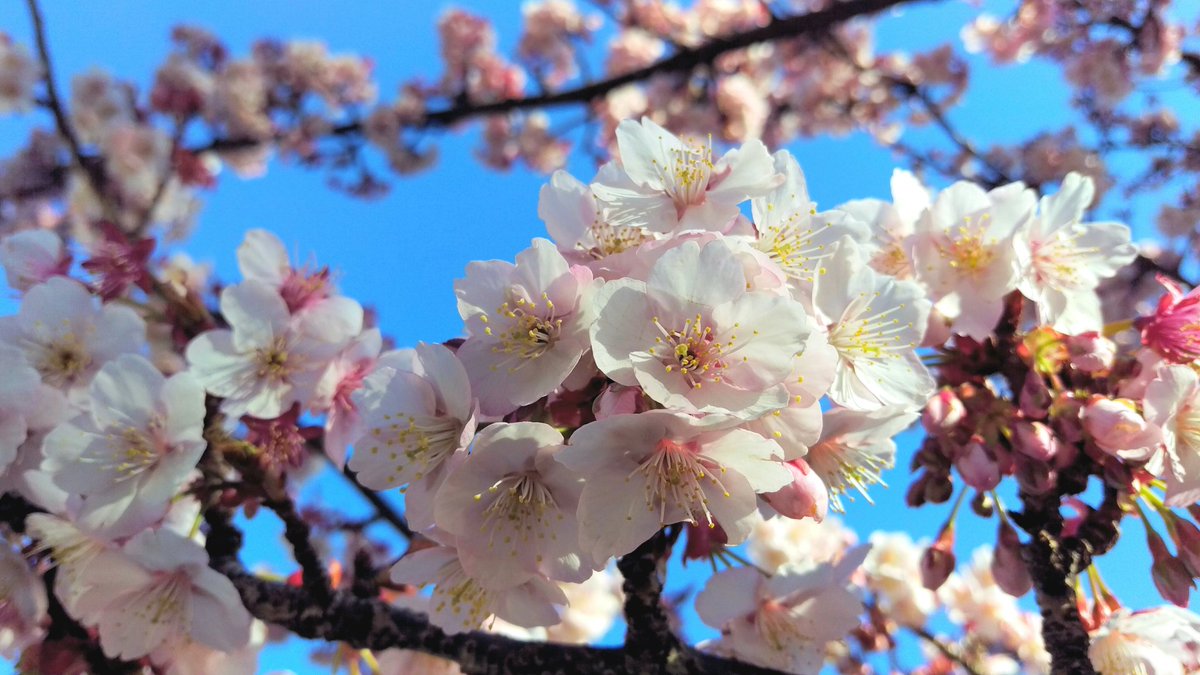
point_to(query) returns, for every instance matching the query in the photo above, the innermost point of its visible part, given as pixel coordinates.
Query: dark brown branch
(373, 624)
(648, 634)
(684, 60)
(299, 535)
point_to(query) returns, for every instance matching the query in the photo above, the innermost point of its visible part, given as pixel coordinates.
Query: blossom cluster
(697, 346)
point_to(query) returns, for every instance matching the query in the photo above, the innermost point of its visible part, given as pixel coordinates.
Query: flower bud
(1035, 477)
(1034, 439)
(703, 540)
(1091, 352)
(978, 468)
(1117, 428)
(1171, 576)
(937, 562)
(805, 497)
(618, 399)
(1008, 566)
(1035, 398)
(943, 412)
(1187, 540)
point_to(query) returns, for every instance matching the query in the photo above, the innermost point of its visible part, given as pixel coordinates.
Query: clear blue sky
(401, 253)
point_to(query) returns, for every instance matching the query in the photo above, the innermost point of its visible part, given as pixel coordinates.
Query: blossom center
(272, 361)
(843, 466)
(63, 360)
(519, 502)
(531, 332)
(967, 249)
(693, 350)
(423, 440)
(863, 334)
(675, 476)
(686, 175)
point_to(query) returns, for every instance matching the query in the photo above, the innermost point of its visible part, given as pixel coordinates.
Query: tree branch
(373, 624)
(299, 535)
(811, 24)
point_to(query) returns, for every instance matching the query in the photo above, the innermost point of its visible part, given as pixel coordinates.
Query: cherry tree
(694, 361)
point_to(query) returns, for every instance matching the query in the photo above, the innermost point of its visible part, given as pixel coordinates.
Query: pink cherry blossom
(577, 225)
(694, 338)
(1173, 404)
(512, 507)
(854, 449)
(655, 468)
(158, 588)
(892, 225)
(527, 324)
(1173, 331)
(334, 393)
(461, 602)
(265, 362)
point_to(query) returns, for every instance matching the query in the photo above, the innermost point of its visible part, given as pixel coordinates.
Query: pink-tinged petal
(624, 326)
(689, 275)
(614, 518)
(218, 618)
(567, 208)
(729, 595)
(422, 567)
(743, 172)
(757, 459)
(182, 403)
(449, 378)
(334, 320)
(532, 604)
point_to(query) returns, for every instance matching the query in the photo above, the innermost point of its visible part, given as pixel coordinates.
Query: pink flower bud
(1035, 397)
(1187, 540)
(805, 497)
(1173, 331)
(1008, 567)
(937, 562)
(1170, 575)
(978, 468)
(1035, 440)
(1117, 428)
(943, 412)
(1091, 352)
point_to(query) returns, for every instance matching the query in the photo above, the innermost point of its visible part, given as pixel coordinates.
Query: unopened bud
(703, 541)
(1091, 352)
(937, 563)
(1117, 428)
(1035, 440)
(1171, 576)
(1008, 566)
(1034, 399)
(1187, 540)
(618, 399)
(978, 468)
(805, 497)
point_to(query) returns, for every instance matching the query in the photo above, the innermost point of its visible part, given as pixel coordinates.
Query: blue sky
(401, 253)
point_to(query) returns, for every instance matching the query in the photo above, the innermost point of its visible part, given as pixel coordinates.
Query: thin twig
(944, 648)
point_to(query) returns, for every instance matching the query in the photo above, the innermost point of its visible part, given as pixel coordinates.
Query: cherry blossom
(694, 338)
(963, 252)
(157, 588)
(855, 447)
(19, 72)
(1173, 404)
(461, 602)
(783, 621)
(875, 323)
(1172, 330)
(1064, 260)
(893, 573)
(893, 224)
(577, 225)
(265, 362)
(31, 257)
(134, 449)
(67, 336)
(655, 468)
(1157, 641)
(512, 507)
(668, 184)
(528, 325)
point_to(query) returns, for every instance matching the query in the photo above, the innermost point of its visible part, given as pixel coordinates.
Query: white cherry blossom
(1159, 641)
(785, 620)
(31, 257)
(1063, 259)
(963, 252)
(892, 225)
(527, 325)
(652, 469)
(668, 184)
(134, 449)
(855, 448)
(66, 335)
(695, 339)
(875, 322)
(1172, 403)
(577, 225)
